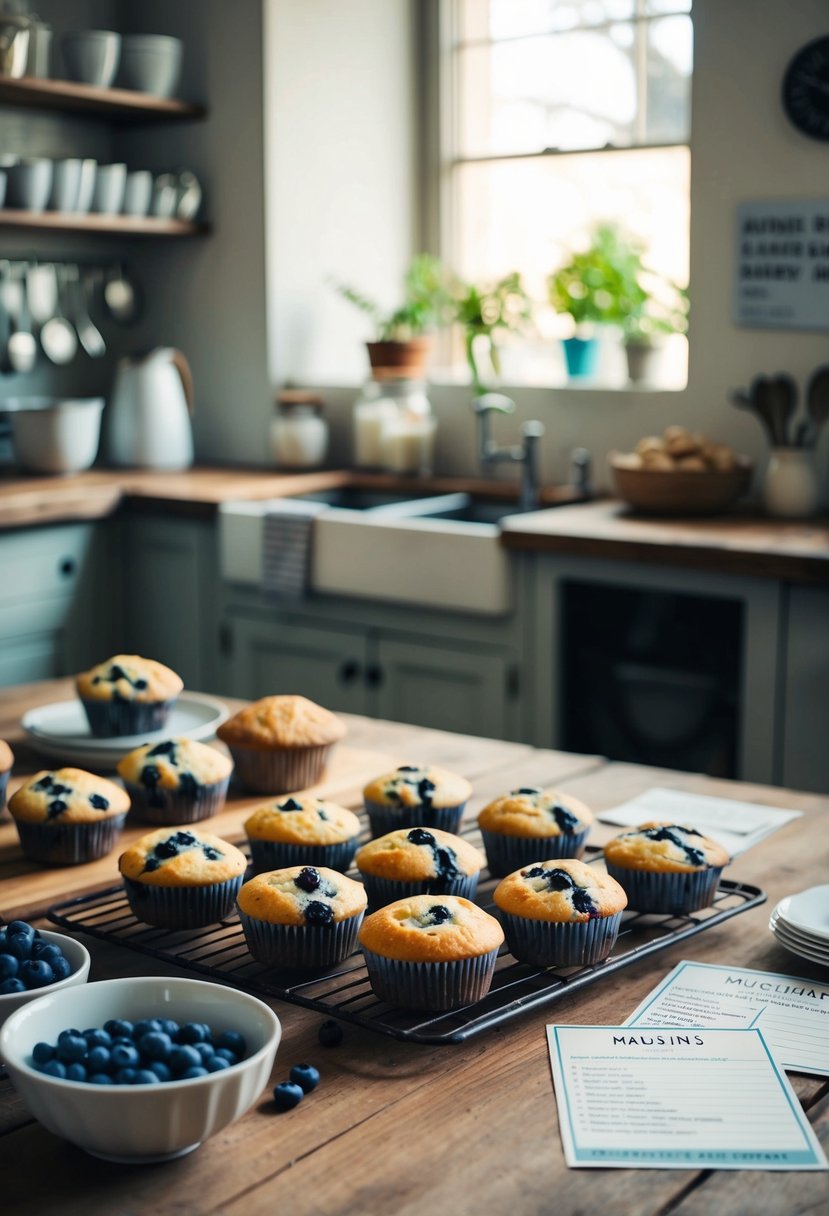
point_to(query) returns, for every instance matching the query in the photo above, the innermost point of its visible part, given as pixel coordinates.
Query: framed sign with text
(783, 265)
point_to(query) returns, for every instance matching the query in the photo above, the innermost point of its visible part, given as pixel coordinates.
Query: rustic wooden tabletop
(405, 1127)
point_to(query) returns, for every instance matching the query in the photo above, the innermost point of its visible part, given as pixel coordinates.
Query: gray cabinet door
(806, 690)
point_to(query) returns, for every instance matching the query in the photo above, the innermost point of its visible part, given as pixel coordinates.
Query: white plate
(778, 925)
(61, 731)
(794, 947)
(808, 911)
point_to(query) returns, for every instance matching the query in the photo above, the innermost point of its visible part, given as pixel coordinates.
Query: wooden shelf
(114, 225)
(115, 105)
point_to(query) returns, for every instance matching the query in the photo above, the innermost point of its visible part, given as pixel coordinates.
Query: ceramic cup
(150, 63)
(138, 193)
(91, 56)
(2, 187)
(66, 181)
(29, 184)
(790, 484)
(110, 184)
(86, 186)
(165, 196)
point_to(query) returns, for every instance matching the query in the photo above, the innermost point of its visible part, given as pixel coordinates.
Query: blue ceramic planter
(581, 356)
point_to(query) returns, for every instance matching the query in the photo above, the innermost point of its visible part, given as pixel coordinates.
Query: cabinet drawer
(38, 564)
(30, 658)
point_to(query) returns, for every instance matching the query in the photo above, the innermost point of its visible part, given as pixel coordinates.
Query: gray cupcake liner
(382, 891)
(182, 907)
(280, 772)
(301, 947)
(651, 891)
(507, 853)
(276, 854)
(545, 943)
(109, 719)
(163, 806)
(433, 986)
(69, 844)
(383, 817)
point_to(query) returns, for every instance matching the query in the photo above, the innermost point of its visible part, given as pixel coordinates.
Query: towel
(286, 548)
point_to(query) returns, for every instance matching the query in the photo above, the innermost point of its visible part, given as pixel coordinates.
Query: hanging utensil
(57, 337)
(782, 395)
(748, 401)
(817, 399)
(21, 348)
(41, 292)
(90, 336)
(121, 297)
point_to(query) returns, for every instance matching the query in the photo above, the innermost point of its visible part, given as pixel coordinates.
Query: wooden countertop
(469, 1128)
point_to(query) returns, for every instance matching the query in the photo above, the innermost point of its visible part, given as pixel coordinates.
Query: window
(559, 115)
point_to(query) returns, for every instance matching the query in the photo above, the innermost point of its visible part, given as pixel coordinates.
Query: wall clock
(806, 89)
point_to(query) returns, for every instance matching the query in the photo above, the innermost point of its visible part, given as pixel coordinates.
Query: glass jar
(394, 428)
(299, 435)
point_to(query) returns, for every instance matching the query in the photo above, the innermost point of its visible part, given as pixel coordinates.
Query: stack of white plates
(801, 924)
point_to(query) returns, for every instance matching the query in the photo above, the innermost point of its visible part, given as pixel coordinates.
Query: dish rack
(219, 952)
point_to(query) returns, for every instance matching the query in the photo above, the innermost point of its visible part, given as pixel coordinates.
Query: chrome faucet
(526, 453)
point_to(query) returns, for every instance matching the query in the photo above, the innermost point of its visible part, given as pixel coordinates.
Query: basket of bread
(681, 472)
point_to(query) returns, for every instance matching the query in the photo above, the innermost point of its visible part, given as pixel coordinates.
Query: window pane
(670, 60)
(498, 19)
(659, 7)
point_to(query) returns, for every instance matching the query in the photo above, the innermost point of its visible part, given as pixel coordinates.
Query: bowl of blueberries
(34, 961)
(140, 1070)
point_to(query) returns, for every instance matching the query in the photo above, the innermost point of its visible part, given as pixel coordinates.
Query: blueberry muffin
(67, 816)
(560, 913)
(530, 823)
(301, 916)
(178, 878)
(418, 861)
(416, 795)
(431, 951)
(281, 744)
(302, 831)
(177, 781)
(6, 762)
(665, 867)
(127, 695)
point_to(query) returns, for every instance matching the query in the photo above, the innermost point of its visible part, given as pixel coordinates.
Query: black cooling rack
(219, 951)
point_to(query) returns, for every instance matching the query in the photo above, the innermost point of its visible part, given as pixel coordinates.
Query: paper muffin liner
(666, 891)
(280, 771)
(545, 943)
(182, 907)
(382, 891)
(432, 986)
(383, 817)
(69, 844)
(276, 854)
(507, 853)
(163, 806)
(4, 781)
(109, 719)
(301, 947)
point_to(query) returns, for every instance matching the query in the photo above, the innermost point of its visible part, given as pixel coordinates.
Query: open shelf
(114, 225)
(115, 105)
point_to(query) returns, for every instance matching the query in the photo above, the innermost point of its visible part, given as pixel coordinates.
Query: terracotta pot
(399, 360)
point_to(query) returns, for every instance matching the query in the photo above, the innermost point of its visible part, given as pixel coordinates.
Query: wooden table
(406, 1128)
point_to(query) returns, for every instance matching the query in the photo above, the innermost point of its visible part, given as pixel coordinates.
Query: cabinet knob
(68, 566)
(349, 671)
(375, 675)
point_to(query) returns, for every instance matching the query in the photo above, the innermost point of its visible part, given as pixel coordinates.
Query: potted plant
(402, 341)
(486, 312)
(661, 309)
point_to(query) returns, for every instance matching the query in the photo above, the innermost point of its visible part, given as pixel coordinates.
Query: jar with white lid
(299, 433)
(394, 428)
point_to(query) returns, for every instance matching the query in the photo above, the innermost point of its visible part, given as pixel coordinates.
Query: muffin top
(302, 895)
(666, 848)
(431, 929)
(6, 756)
(566, 890)
(128, 677)
(183, 765)
(294, 820)
(67, 795)
(180, 857)
(418, 785)
(277, 722)
(413, 854)
(530, 811)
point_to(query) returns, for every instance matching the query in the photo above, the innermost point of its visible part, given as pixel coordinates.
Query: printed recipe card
(663, 1098)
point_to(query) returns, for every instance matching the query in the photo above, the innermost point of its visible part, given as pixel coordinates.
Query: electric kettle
(149, 415)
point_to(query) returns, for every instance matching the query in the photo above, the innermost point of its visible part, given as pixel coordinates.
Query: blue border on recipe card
(674, 974)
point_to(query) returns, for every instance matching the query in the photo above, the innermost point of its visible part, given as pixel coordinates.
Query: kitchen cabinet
(805, 689)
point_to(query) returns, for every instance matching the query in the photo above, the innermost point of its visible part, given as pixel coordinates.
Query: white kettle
(149, 416)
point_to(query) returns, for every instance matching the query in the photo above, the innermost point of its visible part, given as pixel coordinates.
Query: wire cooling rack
(219, 951)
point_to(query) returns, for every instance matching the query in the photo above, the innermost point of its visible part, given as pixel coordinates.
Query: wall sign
(783, 265)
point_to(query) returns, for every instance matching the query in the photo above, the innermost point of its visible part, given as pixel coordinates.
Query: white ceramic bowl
(78, 958)
(91, 56)
(51, 435)
(141, 1123)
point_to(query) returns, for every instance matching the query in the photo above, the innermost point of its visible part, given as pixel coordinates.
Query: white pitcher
(149, 415)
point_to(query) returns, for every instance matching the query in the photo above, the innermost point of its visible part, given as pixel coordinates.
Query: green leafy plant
(484, 312)
(663, 310)
(425, 303)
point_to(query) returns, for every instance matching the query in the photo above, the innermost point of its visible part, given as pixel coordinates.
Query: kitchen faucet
(526, 453)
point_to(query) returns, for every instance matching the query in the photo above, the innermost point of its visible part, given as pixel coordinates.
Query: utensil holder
(790, 484)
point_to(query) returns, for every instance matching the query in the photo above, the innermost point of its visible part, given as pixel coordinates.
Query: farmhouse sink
(441, 551)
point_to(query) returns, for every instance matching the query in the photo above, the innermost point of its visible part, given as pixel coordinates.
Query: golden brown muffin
(298, 820)
(301, 895)
(281, 722)
(431, 928)
(418, 854)
(128, 677)
(665, 848)
(415, 795)
(563, 890)
(530, 811)
(67, 795)
(176, 781)
(175, 857)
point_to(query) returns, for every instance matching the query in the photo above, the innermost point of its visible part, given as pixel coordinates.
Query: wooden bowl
(679, 491)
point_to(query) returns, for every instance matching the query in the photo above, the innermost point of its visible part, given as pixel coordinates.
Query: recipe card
(792, 1012)
(664, 1098)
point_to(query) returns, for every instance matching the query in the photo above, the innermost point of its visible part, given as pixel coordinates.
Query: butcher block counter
(405, 1127)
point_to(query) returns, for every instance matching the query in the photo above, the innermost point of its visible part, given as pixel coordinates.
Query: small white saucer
(807, 911)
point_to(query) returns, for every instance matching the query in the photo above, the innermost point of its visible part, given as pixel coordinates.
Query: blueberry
(46, 950)
(99, 1058)
(206, 1050)
(330, 1033)
(99, 802)
(145, 1076)
(234, 1040)
(100, 1078)
(75, 1071)
(20, 945)
(4, 937)
(216, 1063)
(125, 1056)
(155, 1045)
(161, 1070)
(42, 1052)
(98, 1038)
(224, 1053)
(61, 967)
(54, 1068)
(124, 1076)
(305, 1076)
(308, 879)
(184, 1057)
(9, 966)
(168, 1026)
(290, 804)
(287, 1095)
(36, 973)
(145, 1026)
(194, 1032)
(21, 926)
(118, 1028)
(190, 1074)
(71, 1047)
(11, 985)
(420, 836)
(318, 913)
